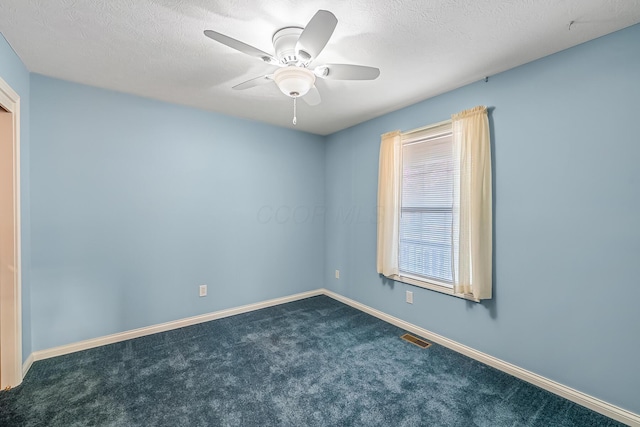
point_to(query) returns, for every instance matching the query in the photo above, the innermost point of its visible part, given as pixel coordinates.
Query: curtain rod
(422, 129)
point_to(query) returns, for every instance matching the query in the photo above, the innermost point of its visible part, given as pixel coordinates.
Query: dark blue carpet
(315, 362)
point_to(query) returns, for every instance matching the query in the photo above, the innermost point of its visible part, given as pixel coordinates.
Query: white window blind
(426, 222)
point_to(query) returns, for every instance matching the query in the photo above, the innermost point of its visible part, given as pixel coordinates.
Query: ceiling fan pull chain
(295, 120)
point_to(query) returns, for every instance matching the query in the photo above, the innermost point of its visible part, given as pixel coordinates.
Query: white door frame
(10, 296)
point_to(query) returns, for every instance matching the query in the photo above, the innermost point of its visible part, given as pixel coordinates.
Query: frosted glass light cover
(294, 81)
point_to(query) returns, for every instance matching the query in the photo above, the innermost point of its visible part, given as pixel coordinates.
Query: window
(435, 206)
(426, 205)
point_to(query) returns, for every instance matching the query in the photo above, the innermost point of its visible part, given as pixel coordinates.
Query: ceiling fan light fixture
(294, 81)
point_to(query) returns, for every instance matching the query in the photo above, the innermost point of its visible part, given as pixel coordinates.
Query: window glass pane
(427, 208)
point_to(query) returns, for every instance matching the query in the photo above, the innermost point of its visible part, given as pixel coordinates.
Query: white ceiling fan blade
(240, 46)
(254, 82)
(312, 97)
(346, 72)
(316, 34)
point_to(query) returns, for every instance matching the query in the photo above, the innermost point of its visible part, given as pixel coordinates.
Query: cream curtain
(472, 211)
(389, 192)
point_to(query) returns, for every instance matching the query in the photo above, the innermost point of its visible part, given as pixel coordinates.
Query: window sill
(432, 287)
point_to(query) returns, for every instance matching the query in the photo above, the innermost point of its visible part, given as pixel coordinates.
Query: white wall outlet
(409, 297)
(337, 274)
(203, 290)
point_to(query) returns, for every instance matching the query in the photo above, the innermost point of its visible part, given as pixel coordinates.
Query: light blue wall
(13, 71)
(566, 150)
(137, 202)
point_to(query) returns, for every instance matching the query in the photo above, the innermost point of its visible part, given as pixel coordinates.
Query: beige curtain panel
(389, 192)
(473, 204)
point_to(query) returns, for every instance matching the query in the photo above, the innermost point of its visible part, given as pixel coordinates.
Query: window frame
(416, 280)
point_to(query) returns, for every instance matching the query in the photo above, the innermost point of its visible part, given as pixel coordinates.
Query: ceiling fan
(295, 49)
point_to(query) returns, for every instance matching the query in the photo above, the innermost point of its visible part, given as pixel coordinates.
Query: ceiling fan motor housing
(284, 42)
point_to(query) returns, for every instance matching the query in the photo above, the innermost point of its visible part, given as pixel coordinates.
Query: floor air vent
(415, 340)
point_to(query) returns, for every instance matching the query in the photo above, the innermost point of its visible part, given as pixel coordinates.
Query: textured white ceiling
(156, 48)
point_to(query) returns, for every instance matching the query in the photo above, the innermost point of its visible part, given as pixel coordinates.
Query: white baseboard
(26, 365)
(607, 409)
(569, 393)
(162, 327)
